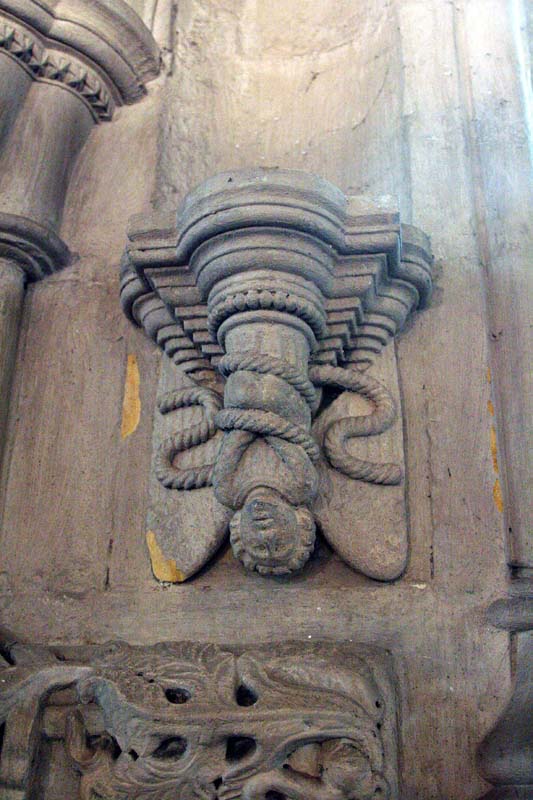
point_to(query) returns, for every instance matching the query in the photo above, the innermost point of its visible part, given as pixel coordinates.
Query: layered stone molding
(105, 35)
(188, 720)
(273, 292)
(506, 753)
(64, 66)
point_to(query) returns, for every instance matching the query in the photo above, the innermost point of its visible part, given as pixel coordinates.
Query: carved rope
(267, 424)
(277, 279)
(166, 470)
(264, 423)
(268, 365)
(340, 431)
(264, 298)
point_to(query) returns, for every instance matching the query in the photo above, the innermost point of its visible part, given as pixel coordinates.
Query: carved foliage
(194, 721)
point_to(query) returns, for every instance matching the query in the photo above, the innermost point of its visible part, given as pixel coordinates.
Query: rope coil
(268, 424)
(269, 365)
(340, 431)
(167, 472)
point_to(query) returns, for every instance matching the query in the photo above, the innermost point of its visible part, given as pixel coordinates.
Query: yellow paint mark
(131, 405)
(164, 569)
(497, 495)
(494, 449)
(496, 489)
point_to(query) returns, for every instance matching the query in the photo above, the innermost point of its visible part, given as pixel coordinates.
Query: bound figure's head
(270, 535)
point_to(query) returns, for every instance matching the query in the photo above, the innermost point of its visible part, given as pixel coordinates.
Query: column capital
(100, 50)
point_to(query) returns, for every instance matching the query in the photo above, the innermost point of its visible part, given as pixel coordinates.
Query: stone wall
(424, 100)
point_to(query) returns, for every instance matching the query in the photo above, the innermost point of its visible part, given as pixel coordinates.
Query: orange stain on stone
(496, 489)
(494, 449)
(131, 404)
(164, 569)
(497, 495)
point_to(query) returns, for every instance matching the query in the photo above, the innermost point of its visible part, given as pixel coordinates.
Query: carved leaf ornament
(272, 292)
(183, 721)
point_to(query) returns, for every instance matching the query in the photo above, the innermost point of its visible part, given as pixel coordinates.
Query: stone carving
(505, 756)
(102, 59)
(185, 720)
(50, 66)
(35, 249)
(109, 35)
(64, 66)
(289, 290)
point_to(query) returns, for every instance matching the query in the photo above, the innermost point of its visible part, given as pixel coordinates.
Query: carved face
(271, 536)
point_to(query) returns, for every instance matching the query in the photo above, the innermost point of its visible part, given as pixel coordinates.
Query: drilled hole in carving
(378, 726)
(6, 655)
(177, 695)
(378, 704)
(134, 754)
(329, 395)
(142, 675)
(245, 696)
(217, 783)
(239, 747)
(275, 796)
(173, 747)
(114, 748)
(102, 741)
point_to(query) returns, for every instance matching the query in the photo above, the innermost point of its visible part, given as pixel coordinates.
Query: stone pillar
(14, 86)
(506, 753)
(40, 152)
(279, 281)
(59, 76)
(11, 296)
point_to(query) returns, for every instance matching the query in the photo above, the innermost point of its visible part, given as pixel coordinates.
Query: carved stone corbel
(189, 720)
(270, 290)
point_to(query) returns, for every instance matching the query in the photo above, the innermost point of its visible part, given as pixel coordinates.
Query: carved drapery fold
(285, 286)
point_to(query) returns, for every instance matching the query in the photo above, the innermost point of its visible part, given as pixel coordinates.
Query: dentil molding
(64, 66)
(104, 39)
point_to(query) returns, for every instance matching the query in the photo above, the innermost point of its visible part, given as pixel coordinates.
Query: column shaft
(11, 298)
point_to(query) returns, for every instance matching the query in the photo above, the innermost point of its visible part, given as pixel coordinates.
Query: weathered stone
(63, 67)
(423, 100)
(194, 720)
(277, 279)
